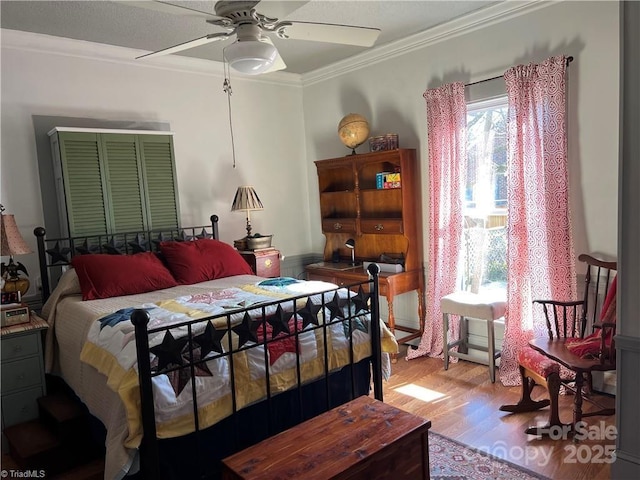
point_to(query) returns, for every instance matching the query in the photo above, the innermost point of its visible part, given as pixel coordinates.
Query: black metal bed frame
(362, 298)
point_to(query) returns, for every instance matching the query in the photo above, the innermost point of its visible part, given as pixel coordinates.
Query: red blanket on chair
(590, 346)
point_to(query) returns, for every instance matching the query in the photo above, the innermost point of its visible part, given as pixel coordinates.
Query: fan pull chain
(226, 87)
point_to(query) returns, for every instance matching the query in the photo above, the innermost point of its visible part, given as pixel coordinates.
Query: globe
(353, 130)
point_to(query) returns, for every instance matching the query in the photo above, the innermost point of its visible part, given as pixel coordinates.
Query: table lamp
(12, 243)
(351, 245)
(246, 200)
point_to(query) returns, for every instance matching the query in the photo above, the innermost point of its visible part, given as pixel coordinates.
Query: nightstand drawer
(20, 346)
(20, 407)
(20, 374)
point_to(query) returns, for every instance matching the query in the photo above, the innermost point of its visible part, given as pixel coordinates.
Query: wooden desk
(361, 440)
(391, 284)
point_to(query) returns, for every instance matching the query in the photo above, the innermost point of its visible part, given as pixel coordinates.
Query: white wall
(390, 94)
(104, 83)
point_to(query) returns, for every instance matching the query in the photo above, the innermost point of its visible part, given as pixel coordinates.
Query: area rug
(452, 460)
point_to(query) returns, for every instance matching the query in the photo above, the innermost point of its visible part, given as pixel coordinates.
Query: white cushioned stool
(472, 305)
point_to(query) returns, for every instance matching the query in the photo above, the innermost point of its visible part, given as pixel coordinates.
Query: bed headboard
(54, 254)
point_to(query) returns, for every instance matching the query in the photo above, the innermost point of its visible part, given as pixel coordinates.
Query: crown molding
(99, 52)
(500, 12)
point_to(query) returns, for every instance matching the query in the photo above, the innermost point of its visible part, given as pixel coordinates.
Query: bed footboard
(352, 310)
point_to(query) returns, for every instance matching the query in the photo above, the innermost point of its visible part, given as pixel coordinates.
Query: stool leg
(445, 340)
(464, 335)
(492, 351)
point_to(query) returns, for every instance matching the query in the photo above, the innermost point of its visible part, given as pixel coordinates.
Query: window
(484, 243)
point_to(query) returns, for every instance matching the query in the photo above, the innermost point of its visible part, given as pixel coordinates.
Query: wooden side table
(361, 440)
(263, 262)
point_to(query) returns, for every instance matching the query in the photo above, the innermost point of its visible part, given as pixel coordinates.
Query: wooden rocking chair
(540, 363)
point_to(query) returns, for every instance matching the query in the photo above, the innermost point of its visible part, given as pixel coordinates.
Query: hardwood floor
(462, 404)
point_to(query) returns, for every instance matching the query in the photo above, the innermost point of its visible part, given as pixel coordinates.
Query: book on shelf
(380, 179)
(385, 180)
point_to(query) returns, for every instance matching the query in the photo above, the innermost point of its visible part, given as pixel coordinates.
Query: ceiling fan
(253, 52)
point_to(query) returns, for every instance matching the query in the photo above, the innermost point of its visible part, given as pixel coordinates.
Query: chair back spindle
(562, 318)
(574, 318)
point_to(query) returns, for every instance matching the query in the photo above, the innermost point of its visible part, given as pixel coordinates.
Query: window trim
(485, 104)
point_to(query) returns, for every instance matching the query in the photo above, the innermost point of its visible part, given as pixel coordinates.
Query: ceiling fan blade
(186, 45)
(329, 32)
(166, 7)
(278, 8)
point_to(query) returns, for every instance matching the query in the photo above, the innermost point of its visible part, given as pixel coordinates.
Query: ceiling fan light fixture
(250, 57)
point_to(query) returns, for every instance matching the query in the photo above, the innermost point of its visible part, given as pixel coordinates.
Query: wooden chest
(364, 439)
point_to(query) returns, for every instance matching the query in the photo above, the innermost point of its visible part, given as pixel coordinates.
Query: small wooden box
(264, 263)
(364, 439)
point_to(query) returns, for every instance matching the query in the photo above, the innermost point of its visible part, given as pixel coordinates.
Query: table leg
(392, 323)
(421, 311)
(492, 351)
(445, 339)
(577, 399)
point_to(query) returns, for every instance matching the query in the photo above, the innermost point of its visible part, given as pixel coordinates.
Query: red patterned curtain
(540, 256)
(446, 133)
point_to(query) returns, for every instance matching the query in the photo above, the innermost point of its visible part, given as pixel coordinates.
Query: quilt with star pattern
(276, 329)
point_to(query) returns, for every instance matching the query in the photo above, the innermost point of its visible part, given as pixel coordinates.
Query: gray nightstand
(22, 366)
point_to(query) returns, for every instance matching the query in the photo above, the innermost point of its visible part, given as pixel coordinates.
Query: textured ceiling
(121, 24)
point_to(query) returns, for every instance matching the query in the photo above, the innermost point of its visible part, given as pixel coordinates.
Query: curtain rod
(569, 60)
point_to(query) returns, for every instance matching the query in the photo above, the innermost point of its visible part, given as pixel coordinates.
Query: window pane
(484, 243)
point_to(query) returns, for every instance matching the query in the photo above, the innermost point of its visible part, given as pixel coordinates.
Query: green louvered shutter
(159, 172)
(121, 160)
(117, 182)
(87, 207)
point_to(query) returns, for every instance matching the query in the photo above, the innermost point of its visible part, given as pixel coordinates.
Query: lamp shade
(246, 199)
(12, 242)
(250, 57)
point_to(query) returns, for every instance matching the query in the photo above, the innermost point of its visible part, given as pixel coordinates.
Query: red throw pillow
(104, 276)
(202, 260)
(183, 260)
